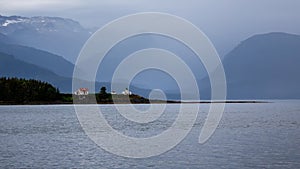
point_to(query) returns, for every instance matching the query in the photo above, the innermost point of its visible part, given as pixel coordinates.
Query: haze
(226, 22)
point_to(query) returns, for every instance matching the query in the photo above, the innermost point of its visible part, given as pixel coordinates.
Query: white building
(113, 92)
(126, 92)
(82, 92)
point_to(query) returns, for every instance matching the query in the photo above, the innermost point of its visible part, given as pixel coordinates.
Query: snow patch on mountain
(42, 24)
(61, 36)
(7, 22)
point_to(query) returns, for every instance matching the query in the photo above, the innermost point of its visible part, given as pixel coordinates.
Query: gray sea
(260, 135)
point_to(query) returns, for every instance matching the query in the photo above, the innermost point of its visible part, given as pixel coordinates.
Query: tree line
(19, 90)
(23, 91)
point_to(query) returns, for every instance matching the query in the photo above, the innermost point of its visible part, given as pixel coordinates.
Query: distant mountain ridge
(57, 35)
(31, 63)
(264, 66)
(12, 67)
(11, 24)
(54, 63)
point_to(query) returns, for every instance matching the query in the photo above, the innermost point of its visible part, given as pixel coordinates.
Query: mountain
(53, 33)
(261, 67)
(27, 62)
(264, 66)
(30, 63)
(151, 78)
(5, 39)
(61, 36)
(12, 67)
(54, 63)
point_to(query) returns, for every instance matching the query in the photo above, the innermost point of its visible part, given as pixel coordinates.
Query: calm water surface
(265, 135)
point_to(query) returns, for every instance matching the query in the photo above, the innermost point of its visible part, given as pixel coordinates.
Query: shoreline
(151, 102)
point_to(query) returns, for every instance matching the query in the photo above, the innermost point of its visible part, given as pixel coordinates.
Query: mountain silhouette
(264, 66)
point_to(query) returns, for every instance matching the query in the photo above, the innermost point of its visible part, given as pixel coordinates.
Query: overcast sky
(226, 22)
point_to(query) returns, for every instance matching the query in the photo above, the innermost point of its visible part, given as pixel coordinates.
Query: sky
(225, 22)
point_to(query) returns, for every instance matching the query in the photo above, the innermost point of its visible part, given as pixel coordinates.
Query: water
(264, 135)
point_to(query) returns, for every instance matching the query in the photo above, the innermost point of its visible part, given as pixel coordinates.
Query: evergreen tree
(23, 91)
(103, 90)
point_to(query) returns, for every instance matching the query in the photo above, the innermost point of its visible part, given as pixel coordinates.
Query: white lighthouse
(126, 92)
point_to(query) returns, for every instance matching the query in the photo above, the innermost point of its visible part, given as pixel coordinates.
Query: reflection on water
(264, 135)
